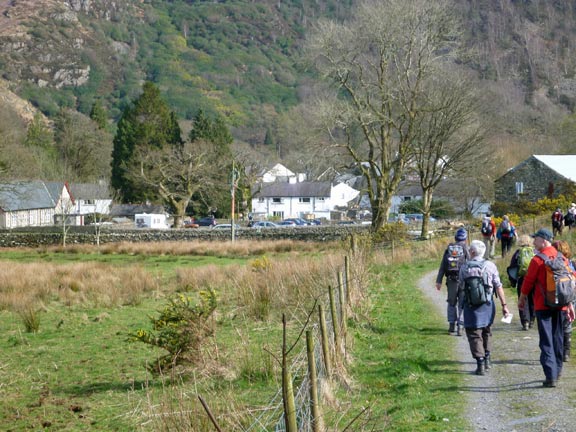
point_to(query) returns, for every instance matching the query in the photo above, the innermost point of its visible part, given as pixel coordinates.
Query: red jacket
(493, 225)
(535, 278)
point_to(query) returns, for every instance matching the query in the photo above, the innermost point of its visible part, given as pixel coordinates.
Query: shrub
(181, 329)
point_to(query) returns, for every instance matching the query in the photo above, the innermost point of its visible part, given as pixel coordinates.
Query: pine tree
(98, 115)
(147, 124)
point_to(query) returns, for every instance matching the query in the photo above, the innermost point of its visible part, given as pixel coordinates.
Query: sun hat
(543, 233)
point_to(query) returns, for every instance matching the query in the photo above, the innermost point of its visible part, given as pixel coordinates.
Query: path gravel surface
(510, 397)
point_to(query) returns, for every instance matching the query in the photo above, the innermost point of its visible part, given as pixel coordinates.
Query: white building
(303, 199)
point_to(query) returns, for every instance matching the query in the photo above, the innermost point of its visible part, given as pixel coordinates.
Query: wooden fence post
(343, 311)
(335, 323)
(325, 342)
(347, 278)
(287, 388)
(314, 403)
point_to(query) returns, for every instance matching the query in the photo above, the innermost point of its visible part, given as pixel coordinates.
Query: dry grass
(83, 283)
(199, 248)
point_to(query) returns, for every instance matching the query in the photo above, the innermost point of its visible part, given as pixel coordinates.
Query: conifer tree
(147, 124)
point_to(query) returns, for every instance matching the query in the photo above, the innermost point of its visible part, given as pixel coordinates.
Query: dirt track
(510, 397)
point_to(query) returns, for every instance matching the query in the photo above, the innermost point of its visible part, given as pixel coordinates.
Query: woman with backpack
(516, 272)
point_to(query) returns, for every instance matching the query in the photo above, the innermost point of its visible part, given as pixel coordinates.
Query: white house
(35, 203)
(279, 173)
(91, 199)
(304, 199)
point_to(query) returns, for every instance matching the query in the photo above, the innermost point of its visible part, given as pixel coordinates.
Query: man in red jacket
(550, 321)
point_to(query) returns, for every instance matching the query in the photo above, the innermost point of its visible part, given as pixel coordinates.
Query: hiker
(479, 315)
(550, 320)
(488, 231)
(506, 234)
(564, 248)
(455, 255)
(557, 222)
(570, 217)
(516, 272)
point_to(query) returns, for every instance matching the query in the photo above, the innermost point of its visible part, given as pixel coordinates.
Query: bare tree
(175, 173)
(448, 137)
(378, 64)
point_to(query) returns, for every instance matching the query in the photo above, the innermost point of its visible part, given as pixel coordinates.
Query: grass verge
(403, 357)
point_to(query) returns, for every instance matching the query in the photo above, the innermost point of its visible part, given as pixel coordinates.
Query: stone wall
(85, 235)
(539, 182)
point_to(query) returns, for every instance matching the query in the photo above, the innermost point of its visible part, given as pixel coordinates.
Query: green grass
(404, 359)
(80, 373)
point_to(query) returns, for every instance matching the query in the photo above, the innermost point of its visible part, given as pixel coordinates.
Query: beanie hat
(461, 235)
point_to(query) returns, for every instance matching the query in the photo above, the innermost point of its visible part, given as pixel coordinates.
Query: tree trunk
(426, 207)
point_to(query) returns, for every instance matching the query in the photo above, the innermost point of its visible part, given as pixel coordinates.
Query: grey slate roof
(89, 191)
(27, 195)
(302, 189)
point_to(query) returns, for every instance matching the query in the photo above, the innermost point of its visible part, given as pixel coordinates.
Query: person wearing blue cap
(455, 255)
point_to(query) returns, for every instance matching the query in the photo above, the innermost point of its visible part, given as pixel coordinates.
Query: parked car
(206, 221)
(346, 222)
(225, 226)
(190, 224)
(297, 221)
(314, 222)
(264, 224)
(286, 223)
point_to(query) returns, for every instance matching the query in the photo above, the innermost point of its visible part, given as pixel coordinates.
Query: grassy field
(79, 371)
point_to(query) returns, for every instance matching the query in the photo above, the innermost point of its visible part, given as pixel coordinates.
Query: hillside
(240, 58)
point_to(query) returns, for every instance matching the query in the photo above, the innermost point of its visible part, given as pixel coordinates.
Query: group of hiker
(560, 220)
(540, 270)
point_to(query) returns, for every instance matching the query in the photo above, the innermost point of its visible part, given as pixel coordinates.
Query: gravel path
(510, 397)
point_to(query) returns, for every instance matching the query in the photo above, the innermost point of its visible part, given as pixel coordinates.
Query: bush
(181, 329)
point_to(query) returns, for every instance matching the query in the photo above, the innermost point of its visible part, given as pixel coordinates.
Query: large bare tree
(377, 65)
(176, 173)
(448, 137)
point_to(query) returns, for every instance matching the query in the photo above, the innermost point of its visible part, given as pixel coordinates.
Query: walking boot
(480, 367)
(458, 330)
(487, 362)
(567, 346)
(451, 328)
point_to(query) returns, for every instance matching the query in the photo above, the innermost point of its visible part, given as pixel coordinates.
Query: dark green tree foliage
(98, 115)
(148, 123)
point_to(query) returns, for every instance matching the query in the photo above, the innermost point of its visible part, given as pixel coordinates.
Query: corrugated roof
(26, 195)
(303, 189)
(564, 165)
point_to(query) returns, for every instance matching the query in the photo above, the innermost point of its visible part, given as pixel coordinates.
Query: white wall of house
(25, 218)
(146, 220)
(317, 207)
(86, 207)
(281, 171)
(341, 194)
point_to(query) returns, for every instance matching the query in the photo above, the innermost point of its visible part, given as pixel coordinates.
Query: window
(277, 200)
(519, 188)
(304, 199)
(320, 199)
(261, 199)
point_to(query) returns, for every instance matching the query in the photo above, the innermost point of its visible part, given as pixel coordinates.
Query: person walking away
(479, 280)
(557, 222)
(570, 217)
(455, 255)
(506, 234)
(516, 272)
(564, 248)
(488, 231)
(550, 320)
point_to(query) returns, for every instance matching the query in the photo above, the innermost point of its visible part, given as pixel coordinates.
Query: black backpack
(456, 258)
(476, 289)
(486, 227)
